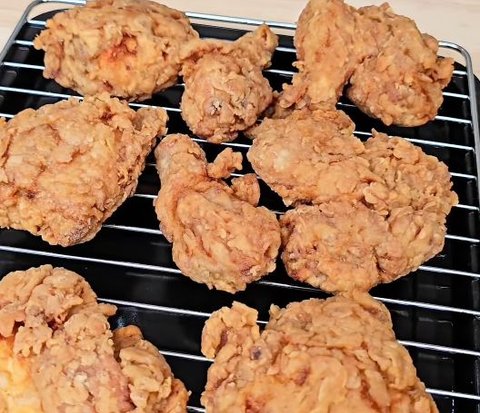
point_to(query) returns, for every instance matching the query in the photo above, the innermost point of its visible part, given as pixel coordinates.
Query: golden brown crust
(402, 84)
(225, 91)
(127, 48)
(59, 342)
(310, 157)
(378, 231)
(151, 383)
(65, 168)
(337, 355)
(393, 69)
(219, 238)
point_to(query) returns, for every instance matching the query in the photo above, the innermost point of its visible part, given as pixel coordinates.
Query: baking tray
(435, 310)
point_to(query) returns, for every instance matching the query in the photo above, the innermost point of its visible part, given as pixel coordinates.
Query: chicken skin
(335, 355)
(396, 225)
(56, 341)
(310, 157)
(393, 69)
(402, 83)
(220, 238)
(225, 91)
(65, 168)
(127, 48)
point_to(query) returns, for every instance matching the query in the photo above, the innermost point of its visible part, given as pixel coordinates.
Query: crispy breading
(59, 336)
(409, 177)
(394, 226)
(218, 238)
(310, 157)
(340, 246)
(127, 48)
(336, 355)
(225, 91)
(153, 389)
(393, 69)
(65, 168)
(402, 84)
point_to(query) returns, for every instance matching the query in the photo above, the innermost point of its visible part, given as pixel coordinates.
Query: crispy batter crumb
(219, 237)
(65, 168)
(336, 355)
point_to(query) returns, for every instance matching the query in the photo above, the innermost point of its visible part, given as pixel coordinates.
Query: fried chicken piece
(340, 246)
(65, 168)
(403, 83)
(218, 237)
(328, 50)
(127, 48)
(409, 177)
(153, 389)
(393, 69)
(337, 355)
(397, 224)
(225, 91)
(310, 157)
(54, 330)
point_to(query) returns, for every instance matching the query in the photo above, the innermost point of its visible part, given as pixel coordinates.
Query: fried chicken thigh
(127, 48)
(402, 83)
(65, 168)
(396, 224)
(225, 91)
(310, 157)
(57, 342)
(393, 69)
(219, 237)
(336, 355)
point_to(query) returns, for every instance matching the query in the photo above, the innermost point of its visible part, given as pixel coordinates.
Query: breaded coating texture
(65, 168)
(153, 389)
(225, 91)
(336, 355)
(219, 237)
(402, 84)
(57, 331)
(310, 157)
(393, 69)
(409, 177)
(396, 224)
(127, 48)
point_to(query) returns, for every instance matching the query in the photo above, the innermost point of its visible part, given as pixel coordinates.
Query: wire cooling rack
(435, 311)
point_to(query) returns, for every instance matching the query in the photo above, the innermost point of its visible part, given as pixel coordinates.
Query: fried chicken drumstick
(219, 236)
(393, 69)
(225, 91)
(336, 355)
(65, 168)
(127, 48)
(59, 356)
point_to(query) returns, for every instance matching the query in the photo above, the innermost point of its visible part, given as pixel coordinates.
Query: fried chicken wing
(219, 238)
(402, 83)
(127, 48)
(310, 157)
(393, 69)
(65, 168)
(58, 344)
(225, 91)
(396, 225)
(336, 355)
